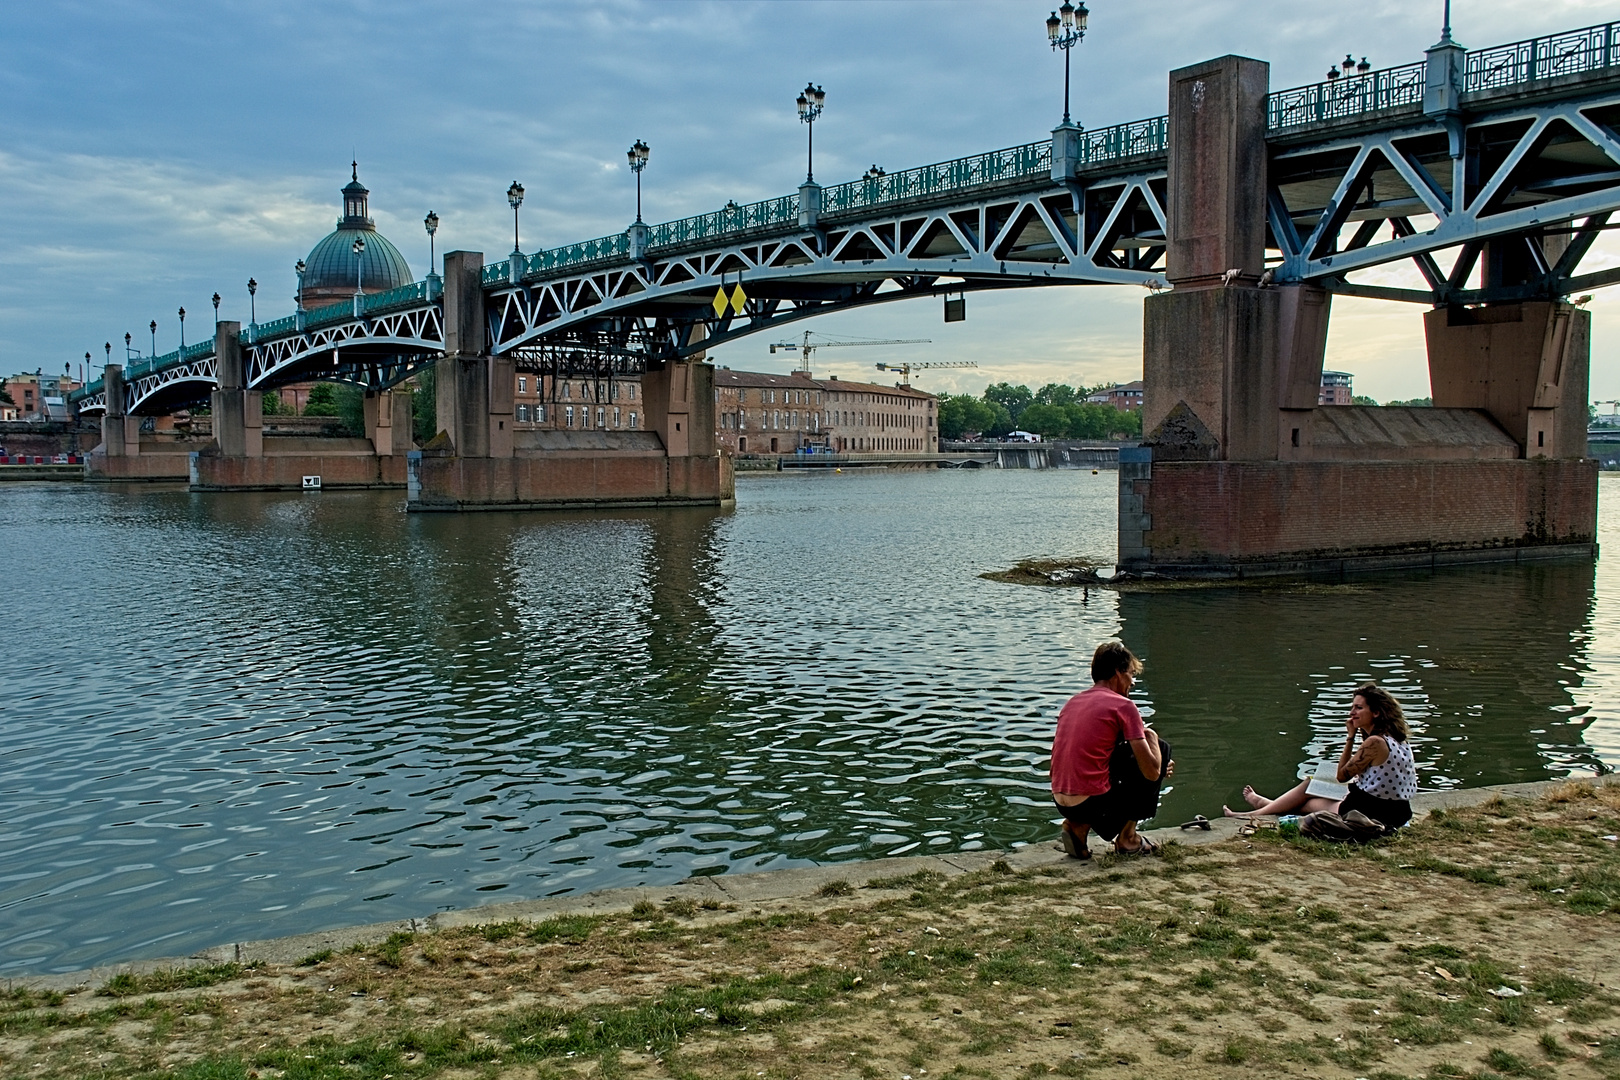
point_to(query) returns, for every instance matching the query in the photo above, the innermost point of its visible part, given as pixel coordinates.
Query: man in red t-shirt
(1107, 766)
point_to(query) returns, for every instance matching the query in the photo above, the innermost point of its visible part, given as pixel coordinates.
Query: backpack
(1353, 828)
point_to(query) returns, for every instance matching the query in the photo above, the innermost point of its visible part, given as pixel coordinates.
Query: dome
(329, 269)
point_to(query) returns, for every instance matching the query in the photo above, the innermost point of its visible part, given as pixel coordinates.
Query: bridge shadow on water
(1253, 683)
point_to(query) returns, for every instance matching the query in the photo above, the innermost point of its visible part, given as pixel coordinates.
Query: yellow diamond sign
(738, 299)
(719, 304)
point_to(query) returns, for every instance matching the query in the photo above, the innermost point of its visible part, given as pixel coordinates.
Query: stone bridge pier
(479, 461)
(1242, 473)
(123, 455)
(243, 458)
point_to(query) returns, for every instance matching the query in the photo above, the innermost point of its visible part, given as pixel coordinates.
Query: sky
(154, 153)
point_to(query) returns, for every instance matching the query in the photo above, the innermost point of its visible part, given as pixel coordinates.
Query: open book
(1325, 782)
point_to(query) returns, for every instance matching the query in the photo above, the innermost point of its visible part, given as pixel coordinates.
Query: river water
(229, 717)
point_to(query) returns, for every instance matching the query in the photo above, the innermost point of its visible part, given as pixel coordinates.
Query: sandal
(1144, 847)
(1072, 849)
(1199, 822)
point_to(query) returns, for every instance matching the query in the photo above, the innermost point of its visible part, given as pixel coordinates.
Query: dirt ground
(1479, 943)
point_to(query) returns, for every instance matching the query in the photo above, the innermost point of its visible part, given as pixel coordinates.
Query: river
(229, 717)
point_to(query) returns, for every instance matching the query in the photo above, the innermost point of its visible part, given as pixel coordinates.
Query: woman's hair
(1111, 658)
(1387, 716)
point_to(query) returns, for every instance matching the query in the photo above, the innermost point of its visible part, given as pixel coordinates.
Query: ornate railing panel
(1013, 163)
(1346, 97)
(1572, 53)
(405, 296)
(265, 330)
(783, 210)
(331, 313)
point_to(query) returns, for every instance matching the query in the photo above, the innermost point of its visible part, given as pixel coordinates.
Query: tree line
(1055, 411)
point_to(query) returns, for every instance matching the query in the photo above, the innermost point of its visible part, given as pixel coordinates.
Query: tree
(1015, 399)
(425, 404)
(272, 405)
(1057, 394)
(347, 403)
(1051, 421)
(1363, 399)
(1414, 403)
(964, 414)
(5, 395)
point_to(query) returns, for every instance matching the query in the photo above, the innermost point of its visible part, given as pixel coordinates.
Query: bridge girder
(1109, 233)
(1535, 181)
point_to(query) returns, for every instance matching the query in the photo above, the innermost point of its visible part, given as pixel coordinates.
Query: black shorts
(1391, 813)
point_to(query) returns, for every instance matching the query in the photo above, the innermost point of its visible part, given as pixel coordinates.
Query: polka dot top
(1395, 779)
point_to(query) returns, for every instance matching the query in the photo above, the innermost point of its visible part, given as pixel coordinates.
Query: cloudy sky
(153, 153)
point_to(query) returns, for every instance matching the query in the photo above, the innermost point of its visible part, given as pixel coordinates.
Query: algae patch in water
(1051, 572)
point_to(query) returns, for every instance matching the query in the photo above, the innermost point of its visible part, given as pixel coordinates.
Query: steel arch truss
(376, 352)
(160, 391)
(1522, 201)
(1111, 232)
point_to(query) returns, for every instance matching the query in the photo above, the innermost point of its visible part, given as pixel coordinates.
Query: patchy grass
(1447, 951)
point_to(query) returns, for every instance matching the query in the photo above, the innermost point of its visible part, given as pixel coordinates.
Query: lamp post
(108, 347)
(812, 99)
(253, 307)
(431, 224)
(638, 154)
(359, 262)
(153, 327)
(298, 268)
(1065, 33)
(182, 328)
(514, 196)
(216, 307)
(126, 348)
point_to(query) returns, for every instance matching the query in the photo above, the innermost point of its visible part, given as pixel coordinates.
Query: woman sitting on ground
(1381, 775)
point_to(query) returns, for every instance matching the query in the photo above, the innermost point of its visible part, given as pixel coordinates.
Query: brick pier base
(1237, 519)
(286, 472)
(566, 481)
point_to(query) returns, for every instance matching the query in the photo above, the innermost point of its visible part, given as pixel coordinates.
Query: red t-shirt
(1088, 728)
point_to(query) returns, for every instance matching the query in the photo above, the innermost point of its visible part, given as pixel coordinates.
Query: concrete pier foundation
(241, 458)
(479, 462)
(121, 457)
(1242, 473)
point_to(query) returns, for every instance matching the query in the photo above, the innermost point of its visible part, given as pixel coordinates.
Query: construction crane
(905, 370)
(807, 347)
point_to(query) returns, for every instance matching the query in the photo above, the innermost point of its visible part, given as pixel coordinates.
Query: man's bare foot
(1256, 801)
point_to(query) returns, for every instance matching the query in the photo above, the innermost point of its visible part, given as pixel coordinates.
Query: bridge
(1243, 210)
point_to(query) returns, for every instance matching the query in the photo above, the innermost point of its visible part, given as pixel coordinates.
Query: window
(523, 414)
(615, 416)
(613, 393)
(632, 397)
(523, 385)
(601, 416)
(540, 413)
(568, 393)
(570, 412)
(632, 420)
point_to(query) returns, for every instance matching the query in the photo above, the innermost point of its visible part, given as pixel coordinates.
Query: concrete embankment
(768, 892)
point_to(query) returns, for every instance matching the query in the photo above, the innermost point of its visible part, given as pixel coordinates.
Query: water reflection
(244, 716)
(1250, 683)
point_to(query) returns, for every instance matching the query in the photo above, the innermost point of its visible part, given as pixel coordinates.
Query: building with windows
(866, 418)
(1124, 397)
(759, 413)
(577, 404)
(38, 396)
(1336, 389)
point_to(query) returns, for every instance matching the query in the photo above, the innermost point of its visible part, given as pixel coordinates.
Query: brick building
(865, 418)
(1335, 389)
(577, 404)
(759, 413)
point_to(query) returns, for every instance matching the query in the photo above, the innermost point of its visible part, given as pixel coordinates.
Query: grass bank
(1479, 943)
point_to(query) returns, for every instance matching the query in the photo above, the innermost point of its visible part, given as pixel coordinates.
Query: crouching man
(1107, 766)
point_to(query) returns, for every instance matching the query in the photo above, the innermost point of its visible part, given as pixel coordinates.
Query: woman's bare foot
(1229, 812)
(1254, 800)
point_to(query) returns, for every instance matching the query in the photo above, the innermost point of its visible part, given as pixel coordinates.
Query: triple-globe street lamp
(182, 328)
(514, 196)
(1065, 29)
(431, 224)
(638, 154)
(359, 262)
(812, 99)
(253, 308)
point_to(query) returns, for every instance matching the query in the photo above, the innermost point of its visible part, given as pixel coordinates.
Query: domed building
(330, 270)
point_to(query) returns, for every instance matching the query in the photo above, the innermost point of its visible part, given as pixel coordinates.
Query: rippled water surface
(240, 716)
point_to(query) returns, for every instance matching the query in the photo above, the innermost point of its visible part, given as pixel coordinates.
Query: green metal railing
(1353, 95)
(1013, 163)
(1575, 52)
(783, 210)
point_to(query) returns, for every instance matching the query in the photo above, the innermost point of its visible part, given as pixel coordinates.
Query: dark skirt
(1391, 813)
